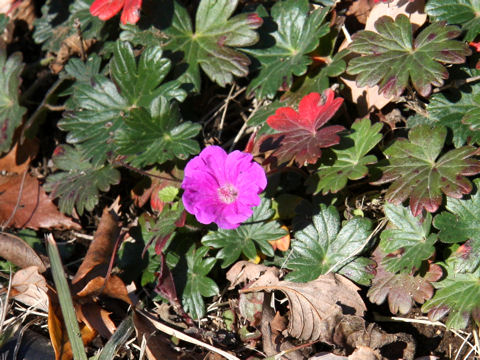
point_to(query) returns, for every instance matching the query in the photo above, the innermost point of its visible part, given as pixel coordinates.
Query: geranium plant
(217, 162)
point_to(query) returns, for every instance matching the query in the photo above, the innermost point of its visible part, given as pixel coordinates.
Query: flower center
(227, 193)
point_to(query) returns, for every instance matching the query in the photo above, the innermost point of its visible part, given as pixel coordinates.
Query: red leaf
(300, 136)
(131, 12)
(106, 9)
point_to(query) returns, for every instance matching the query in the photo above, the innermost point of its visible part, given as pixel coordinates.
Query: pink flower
(106, 9)
(222, 188)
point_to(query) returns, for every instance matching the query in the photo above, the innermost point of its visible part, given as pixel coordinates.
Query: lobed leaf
(410, 235)
(390, 56)
(148, 139)
(198, 284)
(323, 246)
(297, 33)
(458, 295)
(417, 174)
(401, 290)
(461, 223)
(78, 185)
(463, 12)
(301, 135)
(211, 46)
(255, 231)
(11, 113)
(352, 162)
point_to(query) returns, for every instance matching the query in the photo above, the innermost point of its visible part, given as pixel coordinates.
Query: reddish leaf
(106, 9)
(300, 134)
(165, 284)
(131, 12)
(58, 332)
(100, 250)
(401, 290)
(112, 287)
(32, 209)
(18, 159)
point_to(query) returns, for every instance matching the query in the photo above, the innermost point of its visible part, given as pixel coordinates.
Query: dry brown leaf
(413, 9)
(18, 159)
(243, 272)
(158, 346)
(364, 353)
(360, 9)
(58, 332)
(113, 287)
(368, 97)
(96, 318)
(34, 209)
(71, 46)
(30, 288)
(100, 250)
(315, 306)
(19, 253)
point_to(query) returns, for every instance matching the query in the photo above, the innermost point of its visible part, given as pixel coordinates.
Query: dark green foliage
(297, 34)
(256, 231)
(391, 57)
(325, 246)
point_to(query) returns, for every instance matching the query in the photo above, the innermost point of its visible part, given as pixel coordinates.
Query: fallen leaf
(113, 287)
(31, 208)
(364, 353)
(19, 253)
(243, 272)
(360, 9)
(101, 248)
(158, 346)
(30, 288)
(283, 243)
(96, 318)
(58, 332)
(413, 9)
(315, 306)
(19, 158)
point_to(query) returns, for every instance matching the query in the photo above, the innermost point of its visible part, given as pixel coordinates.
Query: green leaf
(98, 117)
(462, 12)
(211, 46)
(100, 107)
(11, 113)
(409, 234)
(391, 57)
(149, 139)
(198, 284)
(417, 174)
(461, 223)
(458, 295)
(351, 163)
(257, 230)
(78, 185)
(140, 84)
(323, 246)
(58, 23)
(457, 111)
(297, 33)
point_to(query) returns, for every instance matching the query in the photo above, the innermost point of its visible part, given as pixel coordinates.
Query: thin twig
(143, 172)
(178, 334)
(19, 198)
(224, 114)
(344, 261)
(78, 27)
